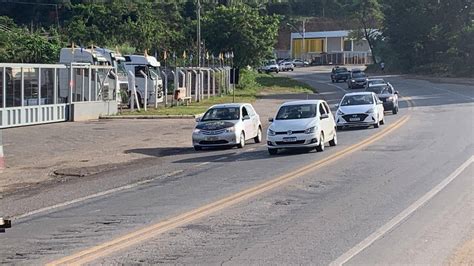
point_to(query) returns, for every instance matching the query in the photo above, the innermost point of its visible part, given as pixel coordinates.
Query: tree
(242, 30)
(368, 15)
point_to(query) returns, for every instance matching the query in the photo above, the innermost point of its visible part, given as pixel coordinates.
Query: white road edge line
(400, 217)
(100, 194)
(204, 163)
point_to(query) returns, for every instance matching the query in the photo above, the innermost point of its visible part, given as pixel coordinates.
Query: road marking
(204, 163)
(400, 217)
(154, 230)
(100, 194)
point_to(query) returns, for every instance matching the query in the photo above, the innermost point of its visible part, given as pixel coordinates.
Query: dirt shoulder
(36, 155)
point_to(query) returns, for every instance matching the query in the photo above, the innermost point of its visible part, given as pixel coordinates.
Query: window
(326, 106)
(250, 110)
(302, 111)
(221, 114)
(140, 68)
(322, 111)
(244, 112)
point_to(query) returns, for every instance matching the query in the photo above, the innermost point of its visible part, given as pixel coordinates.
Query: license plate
(211, 138)
(354, 119)
(292, 139)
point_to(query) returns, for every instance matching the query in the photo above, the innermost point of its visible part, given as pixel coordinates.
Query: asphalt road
(398, 194)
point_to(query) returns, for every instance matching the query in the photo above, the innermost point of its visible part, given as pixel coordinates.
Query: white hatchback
(298, 124)
(360, 109)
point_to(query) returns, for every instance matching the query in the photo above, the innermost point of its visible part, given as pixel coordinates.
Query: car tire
(320, 147)
(197, 148)
(333, 142)
(339, 128)
(258, 138)
(382, 122)
(241, 141)
(395, 110)
(377, 125)
(272, 151)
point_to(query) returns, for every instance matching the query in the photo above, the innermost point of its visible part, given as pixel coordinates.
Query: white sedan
(227, 125)
(298, 124)
(360, 109)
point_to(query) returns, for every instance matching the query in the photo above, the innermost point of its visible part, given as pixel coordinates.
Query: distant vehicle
(360, 109)
(375, 82)
(151, 67)
(83, 57)
(387, 95)
(358, 79)
(301, 124)
(270, 66)
(287, 66)
(340, 73)
(227, 125)
(299, 63)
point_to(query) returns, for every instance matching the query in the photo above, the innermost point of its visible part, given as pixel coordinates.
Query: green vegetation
(414, 36)
(252, 86)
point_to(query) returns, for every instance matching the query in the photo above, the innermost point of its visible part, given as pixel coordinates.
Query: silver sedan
(227, 125)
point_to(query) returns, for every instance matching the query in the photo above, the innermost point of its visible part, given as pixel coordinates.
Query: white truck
(102, 82)
(151, 68)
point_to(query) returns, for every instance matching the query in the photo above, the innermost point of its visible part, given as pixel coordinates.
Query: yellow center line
(154, 230)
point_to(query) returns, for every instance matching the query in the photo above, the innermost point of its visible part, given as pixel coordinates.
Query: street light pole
(303, 35)
(199, 31)
(304, 44)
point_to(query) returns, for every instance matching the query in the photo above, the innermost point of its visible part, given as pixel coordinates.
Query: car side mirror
(396, 92)
(324, 116)
(336, 105)
(246, 117)
(198, 119)
(270, 119)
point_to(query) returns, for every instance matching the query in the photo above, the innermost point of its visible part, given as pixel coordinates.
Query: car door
(247, 121)
(324, 122)
(254, 118)
(331, 123)
(379, 104)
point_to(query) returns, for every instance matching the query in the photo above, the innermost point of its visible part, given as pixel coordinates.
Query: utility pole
(304, 44)
(199, 31)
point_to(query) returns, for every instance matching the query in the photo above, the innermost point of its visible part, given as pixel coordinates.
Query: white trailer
(148, 65)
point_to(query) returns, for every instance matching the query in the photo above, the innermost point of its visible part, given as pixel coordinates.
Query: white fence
(42, 93)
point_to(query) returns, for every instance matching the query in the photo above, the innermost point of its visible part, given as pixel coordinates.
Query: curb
(113, 117)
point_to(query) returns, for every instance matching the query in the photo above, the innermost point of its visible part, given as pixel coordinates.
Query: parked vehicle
(387, 95)
(375, 82)
(151, 67)
(301, 124)
(270, 66)
(299, 63)
(83, 57)
(340, 73)
(358, 79)
(227, 125)
(360, 109)
(287, 66)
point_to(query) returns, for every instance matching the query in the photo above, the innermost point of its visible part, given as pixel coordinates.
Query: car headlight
(390, 99)
(230, 129)
(339, 112)
(370, 111)
(310, 130)
(271, 132)
(353, 80)
(197, 131)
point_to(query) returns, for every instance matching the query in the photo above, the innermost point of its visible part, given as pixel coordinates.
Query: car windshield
(296, 112)
(361, 99)
(378, 89)
(341, 69)
(221, 113)
(358, 74)
(376, 82)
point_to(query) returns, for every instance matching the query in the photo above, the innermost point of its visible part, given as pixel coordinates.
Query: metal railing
(41, 93)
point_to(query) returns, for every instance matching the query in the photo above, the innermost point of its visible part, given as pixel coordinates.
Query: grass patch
(251, 86)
